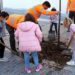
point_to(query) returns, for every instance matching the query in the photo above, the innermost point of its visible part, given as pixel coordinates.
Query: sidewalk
(15, 66)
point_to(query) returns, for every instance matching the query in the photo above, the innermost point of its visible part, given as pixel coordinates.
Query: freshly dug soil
(52, 52)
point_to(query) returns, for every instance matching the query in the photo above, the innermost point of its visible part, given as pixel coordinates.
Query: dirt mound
(52, 52)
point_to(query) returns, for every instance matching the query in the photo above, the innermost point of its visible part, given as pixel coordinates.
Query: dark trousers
(72, 15)
(12, 37)
(39, 26)
(53, 24)
(2, 48)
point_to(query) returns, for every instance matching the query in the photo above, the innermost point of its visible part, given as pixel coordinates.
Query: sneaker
(4, 59)
(72, 63)
(28, 70)
(38, 68)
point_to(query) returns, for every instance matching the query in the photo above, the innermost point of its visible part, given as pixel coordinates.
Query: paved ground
(15, 65)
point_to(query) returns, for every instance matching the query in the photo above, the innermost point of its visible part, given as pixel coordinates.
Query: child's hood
(72, 27)
(26, 26)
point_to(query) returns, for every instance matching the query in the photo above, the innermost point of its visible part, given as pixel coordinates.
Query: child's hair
(53, 9)
(4, 14)
(29, 17)
(67, 22)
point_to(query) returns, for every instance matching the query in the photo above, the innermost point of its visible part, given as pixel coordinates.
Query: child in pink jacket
(29, 36)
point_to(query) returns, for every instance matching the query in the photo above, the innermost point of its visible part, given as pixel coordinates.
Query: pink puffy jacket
(29, 36)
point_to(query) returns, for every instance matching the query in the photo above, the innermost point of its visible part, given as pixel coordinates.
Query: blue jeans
(27, 59)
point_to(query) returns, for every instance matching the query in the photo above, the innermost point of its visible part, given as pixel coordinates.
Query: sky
(25, 4)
